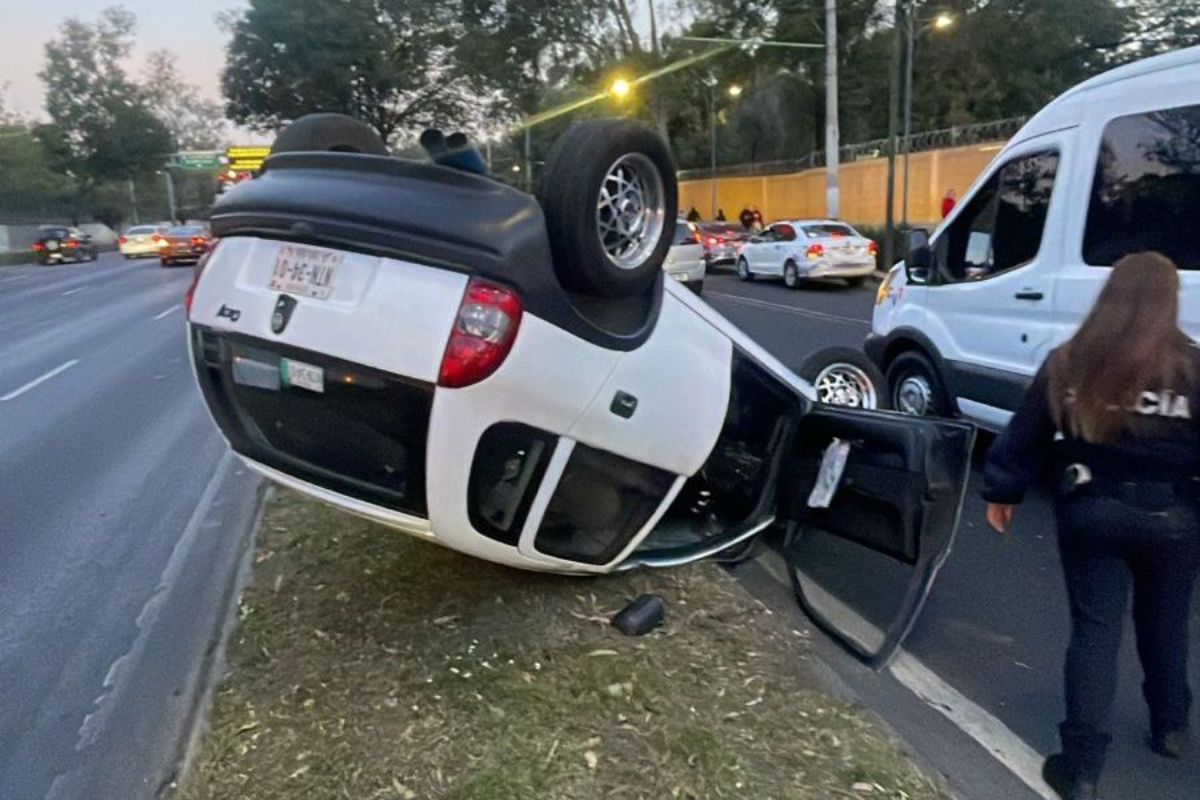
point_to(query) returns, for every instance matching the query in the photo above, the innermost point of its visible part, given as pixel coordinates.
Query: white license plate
(304, 376)
(305, 271)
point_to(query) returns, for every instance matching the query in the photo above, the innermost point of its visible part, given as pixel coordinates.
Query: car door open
(863, 557)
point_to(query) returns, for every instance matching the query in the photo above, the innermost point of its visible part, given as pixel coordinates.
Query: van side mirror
(918, 257)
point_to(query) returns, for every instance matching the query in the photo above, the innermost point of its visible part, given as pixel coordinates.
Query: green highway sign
(196, 159)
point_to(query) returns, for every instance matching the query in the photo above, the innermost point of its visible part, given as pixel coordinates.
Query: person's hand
(999, 516)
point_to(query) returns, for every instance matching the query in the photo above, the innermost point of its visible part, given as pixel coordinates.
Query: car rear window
(141, 230)
(817, 231)
(56, 232)
(685, 234)
(1146, 192)
(187, 230)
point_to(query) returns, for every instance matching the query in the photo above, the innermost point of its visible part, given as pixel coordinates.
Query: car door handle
(1029, 294)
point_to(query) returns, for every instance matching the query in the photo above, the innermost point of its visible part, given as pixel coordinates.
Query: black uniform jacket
(1166, 449)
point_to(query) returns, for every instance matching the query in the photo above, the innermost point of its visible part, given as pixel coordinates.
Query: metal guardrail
(957, 136)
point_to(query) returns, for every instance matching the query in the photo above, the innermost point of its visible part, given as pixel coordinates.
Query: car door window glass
(784, 233)
(1001, 226)
(1147, 189)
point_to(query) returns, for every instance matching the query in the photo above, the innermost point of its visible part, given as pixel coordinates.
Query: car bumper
(836, 269)
(690, 274)
(139, 249)
(190, 254)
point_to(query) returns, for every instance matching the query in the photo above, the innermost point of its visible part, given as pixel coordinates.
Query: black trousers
(1108, 545)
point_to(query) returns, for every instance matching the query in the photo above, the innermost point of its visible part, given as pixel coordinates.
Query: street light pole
(889, 249)
(908, 91)
(712, 148)
(832, 144)
(170, 194)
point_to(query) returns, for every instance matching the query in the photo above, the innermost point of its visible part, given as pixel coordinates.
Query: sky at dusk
(185, 27)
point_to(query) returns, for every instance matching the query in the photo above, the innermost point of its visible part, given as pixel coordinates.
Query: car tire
(854, 283)
(595, 251)
(791, 275)
(844, 376)
(743, 270)
(914, 386)
(329, 132)
(164, 262)
(696, 286)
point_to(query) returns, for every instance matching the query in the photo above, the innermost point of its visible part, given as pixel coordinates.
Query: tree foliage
(387, 62)
(194, 123)
(101, 125)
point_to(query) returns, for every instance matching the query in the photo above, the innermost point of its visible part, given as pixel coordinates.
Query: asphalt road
(995, 627)
(123, 520)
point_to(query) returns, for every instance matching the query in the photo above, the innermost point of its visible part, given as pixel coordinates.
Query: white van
(1109, 168)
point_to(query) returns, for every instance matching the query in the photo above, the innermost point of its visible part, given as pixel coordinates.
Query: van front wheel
(915, 387)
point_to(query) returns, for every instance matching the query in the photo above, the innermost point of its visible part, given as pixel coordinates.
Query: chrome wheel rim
(742, 271)
(789, 275)
(914, 395)
(630, 211)
(843, 384)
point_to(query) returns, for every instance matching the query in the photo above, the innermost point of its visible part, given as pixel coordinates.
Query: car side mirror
(918, 258)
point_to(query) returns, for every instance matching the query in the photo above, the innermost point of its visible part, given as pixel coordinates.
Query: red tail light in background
(196, 273)
(873, 247)
(198, 240)
(122, 240)
(815, 250)
(37, 246)
(713, 241)
(487, 323)
(156, 238)
(73, 243)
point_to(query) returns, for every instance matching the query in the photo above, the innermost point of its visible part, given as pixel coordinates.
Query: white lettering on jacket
(1163, 404)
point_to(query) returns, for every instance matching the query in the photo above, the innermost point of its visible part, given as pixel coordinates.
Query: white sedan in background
(797, 250)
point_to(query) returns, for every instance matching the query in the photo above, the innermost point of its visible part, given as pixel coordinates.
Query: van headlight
(884, 286)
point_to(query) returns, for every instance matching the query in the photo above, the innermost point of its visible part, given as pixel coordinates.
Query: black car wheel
(743, 270)
(610, 200)
(791, 275)
(916, 388)
(164, 262)
(336, 132)
(854, 283)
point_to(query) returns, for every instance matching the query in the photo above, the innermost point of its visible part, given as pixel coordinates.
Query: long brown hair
(1129, 343)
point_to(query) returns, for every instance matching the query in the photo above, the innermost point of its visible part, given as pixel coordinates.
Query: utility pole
(910, 18)
(712, 146)
(889, 245)
(133, 201)
(170, 195)
(528, 163)
(832, 136)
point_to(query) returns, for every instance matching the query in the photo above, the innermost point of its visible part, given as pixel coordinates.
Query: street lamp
(940, 22)
(735, 91)
(620, 89)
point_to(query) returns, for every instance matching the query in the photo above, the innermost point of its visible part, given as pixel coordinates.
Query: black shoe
(1058, 776)
(1170, 744)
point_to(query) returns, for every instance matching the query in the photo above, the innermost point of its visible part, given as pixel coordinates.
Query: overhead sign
(196, 159)
(246, 159)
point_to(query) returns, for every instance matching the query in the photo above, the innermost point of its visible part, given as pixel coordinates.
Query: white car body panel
(843, 257)
(685, 263)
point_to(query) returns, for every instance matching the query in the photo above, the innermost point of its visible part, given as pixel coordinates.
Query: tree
(194, 123)
(387, 62)
(101, 126)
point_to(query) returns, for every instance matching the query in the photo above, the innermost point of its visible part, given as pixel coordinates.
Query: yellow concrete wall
(864, 188)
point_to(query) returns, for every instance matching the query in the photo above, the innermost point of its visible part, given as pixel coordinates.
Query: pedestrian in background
(1115, 415)
(693, 215)
(746, 218)
(720, 215)
(948, 202)
(756, 223)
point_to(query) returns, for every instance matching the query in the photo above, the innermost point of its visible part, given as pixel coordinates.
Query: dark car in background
(57, 244)
(722, 242)
(183, 245)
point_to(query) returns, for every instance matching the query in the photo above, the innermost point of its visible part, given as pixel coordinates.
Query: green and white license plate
(301, 375)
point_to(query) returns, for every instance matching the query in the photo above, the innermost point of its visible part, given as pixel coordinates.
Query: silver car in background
(686, 261)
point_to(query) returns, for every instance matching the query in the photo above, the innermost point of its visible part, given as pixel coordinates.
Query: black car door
(870, 502)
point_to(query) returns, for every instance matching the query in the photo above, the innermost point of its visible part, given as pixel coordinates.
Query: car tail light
(156, 238)
(713, 241)
(38, 246)
(198, 240)
(122, 240)
(72, 243)
(816, 250)
(196, 273)
(483, 334)
(873, 247)
(162, 242)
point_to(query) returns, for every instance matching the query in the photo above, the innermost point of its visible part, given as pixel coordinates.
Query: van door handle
(1029, 294)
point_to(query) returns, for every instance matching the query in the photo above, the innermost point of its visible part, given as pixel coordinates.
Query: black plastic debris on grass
(641, 616)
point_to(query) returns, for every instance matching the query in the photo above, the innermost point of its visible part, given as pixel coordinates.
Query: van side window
(1146, 192)
(1001, 226)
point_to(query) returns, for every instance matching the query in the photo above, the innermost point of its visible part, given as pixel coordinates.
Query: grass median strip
(368, 664)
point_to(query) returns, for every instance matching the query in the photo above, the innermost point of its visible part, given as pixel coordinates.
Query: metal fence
(957, 136)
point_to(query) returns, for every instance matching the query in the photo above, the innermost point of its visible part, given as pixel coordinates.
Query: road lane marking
(1000, 741)
(170, 310)
(15, 393)
(70, 292)
(803, 312)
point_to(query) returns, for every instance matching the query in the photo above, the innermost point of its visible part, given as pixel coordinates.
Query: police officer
(1114, 414)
